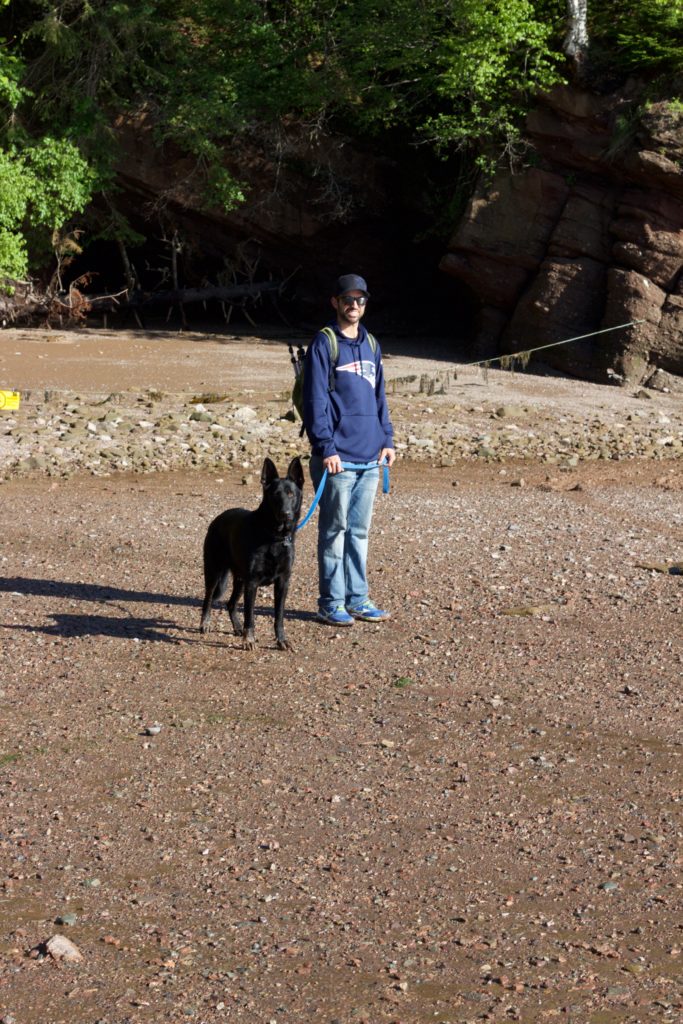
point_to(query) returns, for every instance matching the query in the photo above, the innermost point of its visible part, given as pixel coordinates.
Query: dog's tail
(221, 586)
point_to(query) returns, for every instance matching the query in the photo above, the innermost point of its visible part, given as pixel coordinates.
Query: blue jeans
(344, 517)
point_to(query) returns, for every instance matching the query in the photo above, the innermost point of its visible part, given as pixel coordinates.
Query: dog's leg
(211, 581)
(281, 588)
(249, 602)
(237, 587)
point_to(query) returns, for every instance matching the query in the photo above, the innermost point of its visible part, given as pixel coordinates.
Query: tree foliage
(641, 37)
(452, 74)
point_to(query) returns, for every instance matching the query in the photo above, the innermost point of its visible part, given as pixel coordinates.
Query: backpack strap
(332, 342)
(334, 354)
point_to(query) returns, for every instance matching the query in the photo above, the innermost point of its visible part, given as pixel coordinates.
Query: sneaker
(367, 612)
(336, 617)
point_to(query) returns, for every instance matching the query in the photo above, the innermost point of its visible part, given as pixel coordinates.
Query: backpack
(298, 362)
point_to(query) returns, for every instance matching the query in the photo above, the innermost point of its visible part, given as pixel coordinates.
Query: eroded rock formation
(590, 238)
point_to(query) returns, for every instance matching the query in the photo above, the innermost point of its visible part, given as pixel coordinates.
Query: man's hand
(389, 454)
(333, 464)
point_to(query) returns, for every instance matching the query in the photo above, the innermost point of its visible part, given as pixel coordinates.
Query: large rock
(593, 238)
(632, 297)
(582, 229)
(504, 235)
(649, 233)
(668, 344)
(563, 302)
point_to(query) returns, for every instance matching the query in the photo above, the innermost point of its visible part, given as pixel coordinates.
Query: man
(347, 421)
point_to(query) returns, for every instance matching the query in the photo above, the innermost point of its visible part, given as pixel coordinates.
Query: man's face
(350, 306)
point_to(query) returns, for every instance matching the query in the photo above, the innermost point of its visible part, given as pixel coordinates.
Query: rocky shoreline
(60, 433)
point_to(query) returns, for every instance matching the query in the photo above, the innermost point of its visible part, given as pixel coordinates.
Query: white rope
(525, 353)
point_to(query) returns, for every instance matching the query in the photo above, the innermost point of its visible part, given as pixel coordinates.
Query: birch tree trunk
(575, 43)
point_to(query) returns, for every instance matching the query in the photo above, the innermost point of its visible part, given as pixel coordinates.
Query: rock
(61, 948)
(630, 297)
(565, 300)
(509, 412)
(660, 380)
(583, 227)
(245, 414)
(593, 239)
(66, 919)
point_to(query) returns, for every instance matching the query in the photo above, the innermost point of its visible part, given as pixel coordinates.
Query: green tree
(208, 75)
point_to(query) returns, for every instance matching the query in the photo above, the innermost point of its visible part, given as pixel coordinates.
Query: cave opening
(414, 305)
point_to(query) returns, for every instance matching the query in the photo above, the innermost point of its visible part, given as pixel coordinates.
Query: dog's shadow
(126, 627)
(104, 625)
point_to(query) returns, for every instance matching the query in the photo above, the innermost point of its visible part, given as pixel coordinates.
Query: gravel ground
(471, 812)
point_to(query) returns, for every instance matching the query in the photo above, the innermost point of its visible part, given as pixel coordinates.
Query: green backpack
(299, 360)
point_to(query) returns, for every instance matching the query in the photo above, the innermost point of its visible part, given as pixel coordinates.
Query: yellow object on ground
(9, 400)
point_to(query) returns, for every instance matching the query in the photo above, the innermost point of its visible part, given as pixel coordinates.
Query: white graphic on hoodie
(364, 368)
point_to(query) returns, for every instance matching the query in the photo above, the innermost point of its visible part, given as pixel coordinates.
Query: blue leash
(358, 467)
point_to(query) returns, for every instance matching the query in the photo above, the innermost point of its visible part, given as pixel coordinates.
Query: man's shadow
(86, 591)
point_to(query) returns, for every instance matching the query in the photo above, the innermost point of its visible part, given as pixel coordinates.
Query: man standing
(347, 421)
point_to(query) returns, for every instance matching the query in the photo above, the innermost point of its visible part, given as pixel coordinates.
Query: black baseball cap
(351, 283)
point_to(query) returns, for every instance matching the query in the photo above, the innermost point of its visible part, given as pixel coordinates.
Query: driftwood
(186, 295)
(75, 304)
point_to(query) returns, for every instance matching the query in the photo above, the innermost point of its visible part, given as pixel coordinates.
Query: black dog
(257, 548)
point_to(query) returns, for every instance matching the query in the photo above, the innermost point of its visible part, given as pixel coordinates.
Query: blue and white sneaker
(336, 617)
(367, 612)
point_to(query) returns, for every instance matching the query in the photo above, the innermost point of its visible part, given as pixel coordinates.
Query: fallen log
(142, 300)
(26, 304)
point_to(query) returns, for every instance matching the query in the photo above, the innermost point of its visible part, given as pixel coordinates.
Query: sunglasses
(349, 300)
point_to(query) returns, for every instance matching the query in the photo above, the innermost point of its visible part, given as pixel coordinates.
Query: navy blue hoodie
(351, 421)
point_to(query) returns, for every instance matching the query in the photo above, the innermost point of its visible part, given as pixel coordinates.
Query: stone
(564, 301)
(245, 414)
(66, 919)
(61, 948)
(660, 380)
(667, 347)
(631, 297)
(583, 228)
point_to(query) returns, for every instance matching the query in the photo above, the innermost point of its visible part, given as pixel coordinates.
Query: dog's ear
(268, 473)
(295, 472)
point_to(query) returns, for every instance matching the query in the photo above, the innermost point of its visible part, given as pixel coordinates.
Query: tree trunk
(575, 43)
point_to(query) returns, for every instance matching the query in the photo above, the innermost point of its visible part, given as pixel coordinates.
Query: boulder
(649, 233)
(667, 349)
(564, 301)
(494, 283)
(583, 227)
(632, 297)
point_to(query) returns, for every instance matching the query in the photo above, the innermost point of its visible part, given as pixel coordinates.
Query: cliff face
(589, 238)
